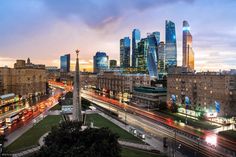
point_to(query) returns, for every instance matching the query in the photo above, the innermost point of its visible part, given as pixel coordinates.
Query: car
(3, 129)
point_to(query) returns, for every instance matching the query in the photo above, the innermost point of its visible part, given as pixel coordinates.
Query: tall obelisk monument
(77, 113)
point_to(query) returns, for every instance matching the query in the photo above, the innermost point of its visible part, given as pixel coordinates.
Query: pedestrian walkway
(136, 145)
(152, 142)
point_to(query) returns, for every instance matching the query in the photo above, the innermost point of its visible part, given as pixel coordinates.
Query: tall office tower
(135, 40)
(162, 66)
(170, 47)
(188, 54)
(100, 62)
(125, 52)
(77, 110)
(65, 63)
(142, 56)
(152, 55)
(113, 64)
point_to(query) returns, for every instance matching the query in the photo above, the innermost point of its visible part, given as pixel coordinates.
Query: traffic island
(228, 134)
(131, 152)
(100, 121)
(205, 125)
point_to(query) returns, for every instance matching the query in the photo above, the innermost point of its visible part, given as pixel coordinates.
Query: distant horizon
(45, 30)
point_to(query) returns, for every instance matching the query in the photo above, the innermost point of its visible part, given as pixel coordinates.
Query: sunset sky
(45, 29)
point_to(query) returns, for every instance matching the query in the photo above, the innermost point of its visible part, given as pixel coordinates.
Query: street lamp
(174, 143)
(0, 149)
(125, 113)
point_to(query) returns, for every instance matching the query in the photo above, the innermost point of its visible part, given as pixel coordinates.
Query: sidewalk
(136, 145)
(156, 145)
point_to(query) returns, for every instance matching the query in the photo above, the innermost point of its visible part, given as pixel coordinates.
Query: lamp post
(0, 150)
(174, 150)
(198, 143)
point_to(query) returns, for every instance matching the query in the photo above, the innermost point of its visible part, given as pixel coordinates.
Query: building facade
(203, 90)
(113, 64)
(88, 80)
(170, 47)
(188, 54)
(24, 79)
(120, 85)
(52, 73)
(162, 66)
(65, 63)
(100, 62)
(148, 97)
(135, 40)
(125, 52)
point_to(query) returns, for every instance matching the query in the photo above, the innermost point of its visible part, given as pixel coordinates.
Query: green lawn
(56, 107)
(130, 152)
(229, 134)
(195, 123)
(99, 121)
(32, 136)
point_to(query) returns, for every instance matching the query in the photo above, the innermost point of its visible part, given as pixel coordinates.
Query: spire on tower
(77, 113)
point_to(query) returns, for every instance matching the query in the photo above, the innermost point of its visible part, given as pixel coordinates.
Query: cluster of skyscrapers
(147, 55)
(154, 57)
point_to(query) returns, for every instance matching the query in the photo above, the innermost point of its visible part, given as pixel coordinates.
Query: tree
(2, 139)
(68, 140)
(69, 95)
(174, 108)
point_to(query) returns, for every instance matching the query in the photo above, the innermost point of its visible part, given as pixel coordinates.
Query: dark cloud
(98, 13)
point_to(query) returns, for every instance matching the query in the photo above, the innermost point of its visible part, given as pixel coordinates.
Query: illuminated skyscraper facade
(65, 63)
(152, 55)
(188, 54)
(125, 52)
(135, 40)
(170, 47)
(142, 56)
(100, 62)
(162, 66)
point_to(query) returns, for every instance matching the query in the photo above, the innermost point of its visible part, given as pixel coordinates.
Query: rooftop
(150, 89)
(10, 95)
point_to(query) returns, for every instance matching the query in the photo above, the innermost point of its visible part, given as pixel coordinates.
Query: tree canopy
(68, 140)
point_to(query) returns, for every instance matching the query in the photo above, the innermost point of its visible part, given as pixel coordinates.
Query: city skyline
(31, 28)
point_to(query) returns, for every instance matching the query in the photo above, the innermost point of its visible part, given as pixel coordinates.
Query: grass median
(99, 121)
(191, 122)
(56, 107)
(229, 134)
(130, 152)
(32, 136)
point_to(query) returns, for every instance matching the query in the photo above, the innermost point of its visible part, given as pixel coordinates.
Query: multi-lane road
(19, 118)
(207, 143)
(191, 143)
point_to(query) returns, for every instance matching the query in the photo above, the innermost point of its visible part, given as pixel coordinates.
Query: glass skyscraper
(188, 54)
(125, 52)
(100, 62)
(135, 40)
(142, 56)
(152, 54)
(170, 47)
(162, 66)
(65, 63)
